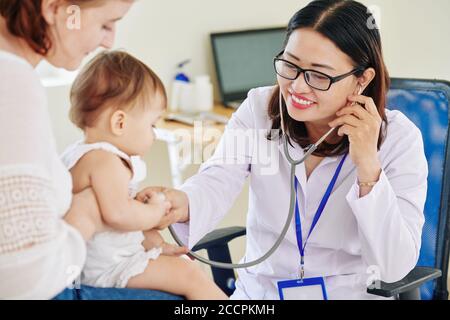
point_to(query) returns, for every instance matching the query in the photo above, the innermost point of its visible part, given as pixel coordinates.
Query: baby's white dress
(113, 257)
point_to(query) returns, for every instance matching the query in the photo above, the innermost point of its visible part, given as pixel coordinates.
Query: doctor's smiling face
(310, 50)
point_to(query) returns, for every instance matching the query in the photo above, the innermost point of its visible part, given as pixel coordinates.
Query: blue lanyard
(298, 223)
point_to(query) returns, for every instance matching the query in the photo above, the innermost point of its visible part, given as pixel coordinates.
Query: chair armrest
(219, 237)
(417, 277)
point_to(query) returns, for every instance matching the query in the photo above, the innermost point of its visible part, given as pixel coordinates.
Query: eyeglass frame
(301, 70)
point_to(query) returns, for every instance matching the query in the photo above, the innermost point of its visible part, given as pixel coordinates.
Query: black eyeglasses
(313, 78)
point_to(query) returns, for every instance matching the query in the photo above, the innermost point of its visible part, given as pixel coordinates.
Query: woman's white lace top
(40, 254)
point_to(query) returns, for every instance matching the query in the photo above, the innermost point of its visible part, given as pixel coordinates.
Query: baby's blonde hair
(113, 79)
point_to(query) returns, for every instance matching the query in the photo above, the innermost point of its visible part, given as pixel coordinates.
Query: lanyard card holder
(306, 289)
(311, 288)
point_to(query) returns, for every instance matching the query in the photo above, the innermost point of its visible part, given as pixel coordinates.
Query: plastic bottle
(187, 98)
(179, 84)
(204, 100)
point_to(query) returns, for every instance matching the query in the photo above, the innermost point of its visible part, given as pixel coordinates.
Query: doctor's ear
(118, 122)
(365, 79)
(49, 10)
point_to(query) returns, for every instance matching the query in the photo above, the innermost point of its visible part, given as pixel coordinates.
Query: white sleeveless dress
(113, 257)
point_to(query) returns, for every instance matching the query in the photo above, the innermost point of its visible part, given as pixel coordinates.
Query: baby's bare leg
(177, 276)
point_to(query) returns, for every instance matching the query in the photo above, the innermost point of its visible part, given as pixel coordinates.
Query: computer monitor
(244, 60)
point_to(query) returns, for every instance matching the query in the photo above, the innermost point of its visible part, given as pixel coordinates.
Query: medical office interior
(166, 33)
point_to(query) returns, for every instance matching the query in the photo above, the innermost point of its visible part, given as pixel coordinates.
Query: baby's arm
(109, 178)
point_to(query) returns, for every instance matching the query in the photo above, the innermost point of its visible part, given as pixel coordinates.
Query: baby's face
(140, 135)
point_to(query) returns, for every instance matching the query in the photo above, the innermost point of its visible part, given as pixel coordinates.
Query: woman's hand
(179, 211)
(362, 126)
(84, 214)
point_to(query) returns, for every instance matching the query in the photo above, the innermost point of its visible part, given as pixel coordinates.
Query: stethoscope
(293, 163)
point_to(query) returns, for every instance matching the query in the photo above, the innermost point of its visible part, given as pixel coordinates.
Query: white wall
(164, 32)
(415, 35)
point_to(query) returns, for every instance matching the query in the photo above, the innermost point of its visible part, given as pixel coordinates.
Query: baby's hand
(159, 201)
(153, 239)
(169, 217)
(173, 250)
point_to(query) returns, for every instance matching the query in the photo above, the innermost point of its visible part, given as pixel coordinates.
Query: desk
(186, 144)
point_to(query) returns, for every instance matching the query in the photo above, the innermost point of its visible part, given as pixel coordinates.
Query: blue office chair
(426, 103)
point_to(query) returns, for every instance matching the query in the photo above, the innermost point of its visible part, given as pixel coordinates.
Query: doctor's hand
(179, 211)
(361, 122)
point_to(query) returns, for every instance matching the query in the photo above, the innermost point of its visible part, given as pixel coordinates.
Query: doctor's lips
(301, 102)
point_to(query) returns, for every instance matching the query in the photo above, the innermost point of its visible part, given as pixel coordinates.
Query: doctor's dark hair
(351, 27)
(24, 19)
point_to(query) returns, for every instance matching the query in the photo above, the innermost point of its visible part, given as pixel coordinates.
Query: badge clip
(302, 269)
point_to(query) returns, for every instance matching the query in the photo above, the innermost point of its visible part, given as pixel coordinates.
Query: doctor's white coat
(356, 238)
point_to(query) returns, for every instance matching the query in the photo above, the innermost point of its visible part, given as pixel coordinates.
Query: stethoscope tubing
(294, 163)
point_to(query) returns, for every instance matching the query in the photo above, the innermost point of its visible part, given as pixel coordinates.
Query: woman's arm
(40, 254)
(390, 217)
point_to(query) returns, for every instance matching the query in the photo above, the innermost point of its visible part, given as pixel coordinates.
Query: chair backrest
(426, 103)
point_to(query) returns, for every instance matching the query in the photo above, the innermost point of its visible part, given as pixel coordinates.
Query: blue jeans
(90, 293)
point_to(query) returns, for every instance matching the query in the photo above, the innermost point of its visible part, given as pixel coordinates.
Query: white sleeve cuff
(373, 207)
(196, 228)
(353, 194)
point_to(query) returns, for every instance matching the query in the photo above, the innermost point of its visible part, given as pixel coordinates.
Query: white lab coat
(355, 237)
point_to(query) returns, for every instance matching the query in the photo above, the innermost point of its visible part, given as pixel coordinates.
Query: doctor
(373, 218)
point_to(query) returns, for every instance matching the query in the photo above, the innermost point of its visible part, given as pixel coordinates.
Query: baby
(116, 100)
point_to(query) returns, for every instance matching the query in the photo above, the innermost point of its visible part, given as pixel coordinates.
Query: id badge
(308, 289)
